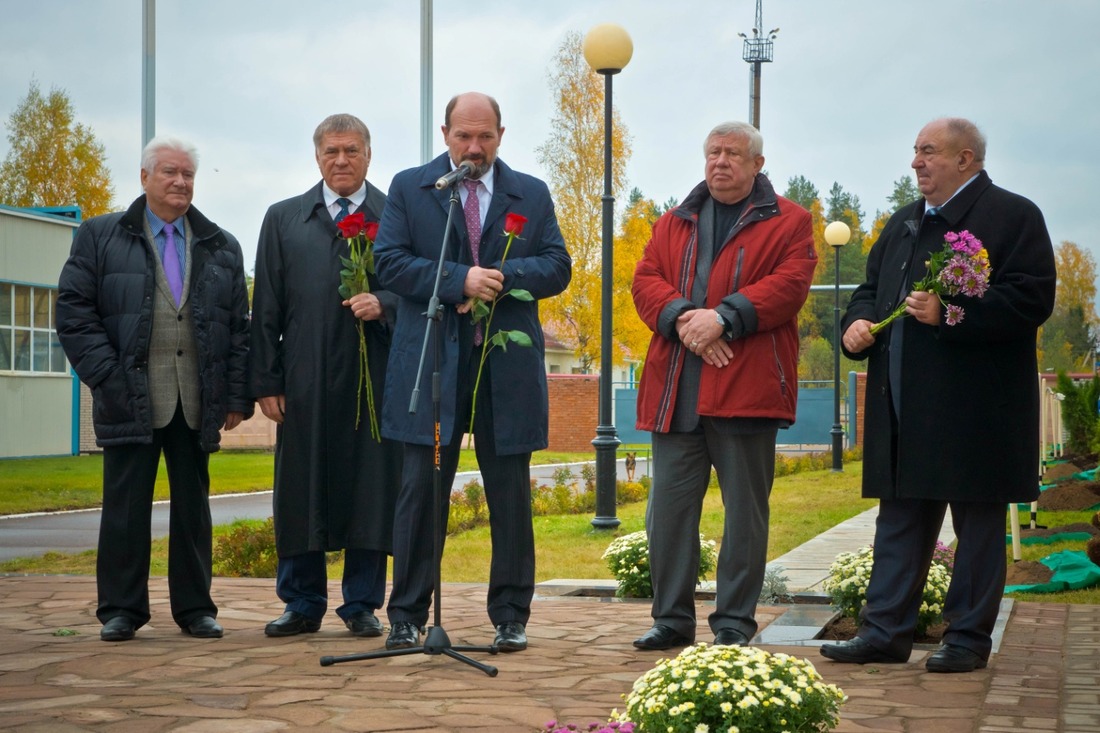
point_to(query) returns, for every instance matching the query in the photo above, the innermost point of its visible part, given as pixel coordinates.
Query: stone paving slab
(579, 664)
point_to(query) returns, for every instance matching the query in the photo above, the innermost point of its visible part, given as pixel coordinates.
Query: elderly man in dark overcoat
(511, 418)
(952, 417)
(335, 483)
(152, 311)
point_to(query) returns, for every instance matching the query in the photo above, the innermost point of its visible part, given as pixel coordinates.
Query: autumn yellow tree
(1067, 339)
(573, 158)
(53, 160)
(631, 334)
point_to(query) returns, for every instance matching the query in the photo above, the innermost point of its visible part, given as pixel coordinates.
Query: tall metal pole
(425, 81)
(607, 440)
(837, 432)
(148, 71)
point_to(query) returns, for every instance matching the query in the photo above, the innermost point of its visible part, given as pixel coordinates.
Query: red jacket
(759, 279)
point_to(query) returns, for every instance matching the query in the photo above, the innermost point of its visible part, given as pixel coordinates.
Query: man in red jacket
(720, 285)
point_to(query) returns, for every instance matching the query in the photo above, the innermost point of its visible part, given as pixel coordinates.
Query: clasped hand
(701, 333)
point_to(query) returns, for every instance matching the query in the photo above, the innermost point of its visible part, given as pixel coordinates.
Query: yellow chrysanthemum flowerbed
(730, 689)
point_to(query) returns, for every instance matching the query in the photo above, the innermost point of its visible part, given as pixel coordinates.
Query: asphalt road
(33, 535)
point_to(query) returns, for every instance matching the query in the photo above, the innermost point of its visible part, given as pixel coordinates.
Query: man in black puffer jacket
(152, 312)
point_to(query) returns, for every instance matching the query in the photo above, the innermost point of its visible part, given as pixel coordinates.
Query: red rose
(370, 229)
(513, 224)
(352, 224)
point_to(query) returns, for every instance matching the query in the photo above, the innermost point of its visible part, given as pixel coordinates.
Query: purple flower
(954, 315)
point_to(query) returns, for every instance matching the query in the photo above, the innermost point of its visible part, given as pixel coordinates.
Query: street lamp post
(607, 49)
(837, 235)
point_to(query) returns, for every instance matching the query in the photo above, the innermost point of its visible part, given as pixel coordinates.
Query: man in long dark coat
(335, 484)
(952, 410)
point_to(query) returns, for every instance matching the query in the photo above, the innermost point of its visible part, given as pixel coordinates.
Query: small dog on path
(631, 464)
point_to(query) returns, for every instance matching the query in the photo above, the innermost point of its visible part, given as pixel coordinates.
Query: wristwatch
(722, 322)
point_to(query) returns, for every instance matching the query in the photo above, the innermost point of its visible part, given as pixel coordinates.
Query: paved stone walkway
(57, 676)
(1046, 676)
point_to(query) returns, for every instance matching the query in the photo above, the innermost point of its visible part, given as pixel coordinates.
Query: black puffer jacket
(105, 319)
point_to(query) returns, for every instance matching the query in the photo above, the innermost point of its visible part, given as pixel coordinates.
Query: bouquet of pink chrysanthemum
(961, 267)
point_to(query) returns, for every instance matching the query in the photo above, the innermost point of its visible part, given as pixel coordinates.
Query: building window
(28, 330)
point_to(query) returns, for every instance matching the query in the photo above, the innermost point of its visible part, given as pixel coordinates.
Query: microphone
(464, 169)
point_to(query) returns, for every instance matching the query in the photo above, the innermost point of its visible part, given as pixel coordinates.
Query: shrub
(247, 551)
(1079, 414)
(628, 559)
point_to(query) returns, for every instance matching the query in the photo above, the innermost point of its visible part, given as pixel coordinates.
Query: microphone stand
(436, 641)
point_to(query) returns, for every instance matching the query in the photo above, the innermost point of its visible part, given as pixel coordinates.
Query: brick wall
(574, 411)
(87, 432)
(861, 401)
(574, 414)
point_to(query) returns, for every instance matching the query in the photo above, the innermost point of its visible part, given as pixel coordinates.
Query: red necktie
(472, 210)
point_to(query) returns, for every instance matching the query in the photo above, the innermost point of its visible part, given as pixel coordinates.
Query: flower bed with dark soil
(1071, 496)
(844, 628)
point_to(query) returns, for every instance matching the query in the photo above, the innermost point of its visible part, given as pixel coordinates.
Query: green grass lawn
(76, 482)
(802, 506)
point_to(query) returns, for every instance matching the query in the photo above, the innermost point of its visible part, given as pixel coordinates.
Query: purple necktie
(172, 263)
(473, 228)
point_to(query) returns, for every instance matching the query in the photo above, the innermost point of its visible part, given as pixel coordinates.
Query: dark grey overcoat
(335, 486)
(969, 427)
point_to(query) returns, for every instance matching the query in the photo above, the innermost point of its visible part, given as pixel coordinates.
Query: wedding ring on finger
(694, 344)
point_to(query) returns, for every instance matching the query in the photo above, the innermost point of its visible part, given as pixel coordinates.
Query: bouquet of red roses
(961, 267)
(359, 263)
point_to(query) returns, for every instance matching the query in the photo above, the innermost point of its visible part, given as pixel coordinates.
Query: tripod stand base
(435, 643)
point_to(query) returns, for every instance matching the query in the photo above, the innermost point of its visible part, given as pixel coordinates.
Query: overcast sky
(852, 83)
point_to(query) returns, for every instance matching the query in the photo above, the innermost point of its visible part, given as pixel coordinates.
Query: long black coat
(969, 418)
(335, 486)
(105, 322)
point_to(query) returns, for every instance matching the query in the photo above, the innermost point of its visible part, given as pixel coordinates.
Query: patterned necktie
(343, 203)
(472, 210)
(171, 262)
(932, 211)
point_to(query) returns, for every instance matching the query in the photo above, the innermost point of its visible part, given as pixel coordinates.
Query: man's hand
(858, 336)
(365, 307)
(700, 332)
(274, 407)
(483, 283)
(233, 419)
(925, 307)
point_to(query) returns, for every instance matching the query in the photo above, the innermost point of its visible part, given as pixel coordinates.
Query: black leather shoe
(403, 634)
(661, 637)
(292, 623)
(118, 628)
(364, 623)
(954, 658)
(204, 627)
(511, 637)
(857, 651)
(730, 637)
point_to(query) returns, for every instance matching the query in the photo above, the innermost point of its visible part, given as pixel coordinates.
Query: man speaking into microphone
(509, 406)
